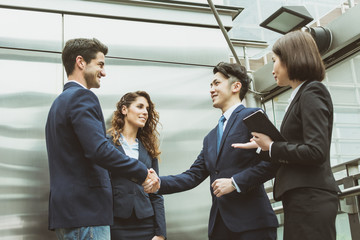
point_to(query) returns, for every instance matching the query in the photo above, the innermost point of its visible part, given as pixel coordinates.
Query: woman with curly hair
(137, 215)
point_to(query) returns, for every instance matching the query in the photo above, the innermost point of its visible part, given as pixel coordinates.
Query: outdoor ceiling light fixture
(287, 19)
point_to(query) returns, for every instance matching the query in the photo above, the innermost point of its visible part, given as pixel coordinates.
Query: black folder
(259, 122)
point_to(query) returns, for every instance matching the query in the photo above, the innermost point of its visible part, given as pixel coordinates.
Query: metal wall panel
(30, 30)
(172, 12)
(30, 81)
(151, 41)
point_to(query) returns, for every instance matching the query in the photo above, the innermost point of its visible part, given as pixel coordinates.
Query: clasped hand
(152, 182)
(222, 186)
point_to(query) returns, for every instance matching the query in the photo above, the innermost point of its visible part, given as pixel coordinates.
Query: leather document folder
(259, 122)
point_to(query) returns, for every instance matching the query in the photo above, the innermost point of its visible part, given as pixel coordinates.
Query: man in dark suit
(239, 211)
(79, 154)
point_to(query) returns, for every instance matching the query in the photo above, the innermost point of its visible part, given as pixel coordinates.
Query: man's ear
(236, 87)
(80, 62)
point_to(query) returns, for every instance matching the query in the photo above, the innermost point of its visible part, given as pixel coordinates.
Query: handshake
(152, 182)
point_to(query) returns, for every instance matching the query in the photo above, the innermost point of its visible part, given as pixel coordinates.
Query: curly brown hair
(148, 135)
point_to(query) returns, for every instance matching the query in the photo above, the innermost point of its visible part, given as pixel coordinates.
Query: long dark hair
(148, 135)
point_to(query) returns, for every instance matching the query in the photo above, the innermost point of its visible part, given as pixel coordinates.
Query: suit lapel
(211, 149)
(144, 156)
(229, 124)
(120, 148)
(296, 98)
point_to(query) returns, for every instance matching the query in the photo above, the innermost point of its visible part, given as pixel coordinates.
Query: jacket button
(216, 172)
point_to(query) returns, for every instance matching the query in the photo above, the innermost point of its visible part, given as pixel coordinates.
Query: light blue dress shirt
(130, 150)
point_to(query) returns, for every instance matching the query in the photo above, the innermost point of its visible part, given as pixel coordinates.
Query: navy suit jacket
(79, 157)
(130, 197)
(248, 210)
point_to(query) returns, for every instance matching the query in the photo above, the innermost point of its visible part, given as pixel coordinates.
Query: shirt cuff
(270, 148)
(235, 185)
(258, 150)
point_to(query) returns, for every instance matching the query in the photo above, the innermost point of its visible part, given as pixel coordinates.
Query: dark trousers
(309, 214)
(221, 232)
(133, 228)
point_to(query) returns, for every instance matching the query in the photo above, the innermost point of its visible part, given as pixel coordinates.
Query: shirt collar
(75, 82)
(228, 112)
(293, 94)
(123, 141)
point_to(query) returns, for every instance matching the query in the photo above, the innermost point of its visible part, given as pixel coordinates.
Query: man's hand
(222, 186)
(152, 182)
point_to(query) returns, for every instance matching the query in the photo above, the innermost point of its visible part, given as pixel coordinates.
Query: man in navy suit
(239, 211)
(79, 154)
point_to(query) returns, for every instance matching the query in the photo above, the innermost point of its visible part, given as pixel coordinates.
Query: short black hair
(238, 72)
(87, 48)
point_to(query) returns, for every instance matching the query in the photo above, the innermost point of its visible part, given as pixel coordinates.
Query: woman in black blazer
(304, 181)
(137, 215)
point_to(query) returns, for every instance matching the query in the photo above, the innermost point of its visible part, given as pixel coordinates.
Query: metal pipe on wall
(250, 98)
(351, 3)
(213, 9)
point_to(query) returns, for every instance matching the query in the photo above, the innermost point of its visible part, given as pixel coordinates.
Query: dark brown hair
(234, 70)
(148, 135)
(299, 53)
(87, 48)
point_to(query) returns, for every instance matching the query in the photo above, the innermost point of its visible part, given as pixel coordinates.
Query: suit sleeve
(315, 118)
(157, 202)
(255, 176)
(87, 121)
(187, 180)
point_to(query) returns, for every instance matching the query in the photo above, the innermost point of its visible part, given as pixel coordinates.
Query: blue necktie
(220, 131)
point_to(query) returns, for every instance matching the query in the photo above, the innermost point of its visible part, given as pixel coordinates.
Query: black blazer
(79, 157)
(248, 210)
(305, 157)
(129, 196)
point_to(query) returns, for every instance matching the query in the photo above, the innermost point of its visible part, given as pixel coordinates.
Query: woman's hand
(262, 140)
(248, 145)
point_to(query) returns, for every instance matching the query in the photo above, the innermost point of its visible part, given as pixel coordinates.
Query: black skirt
(133, 228)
